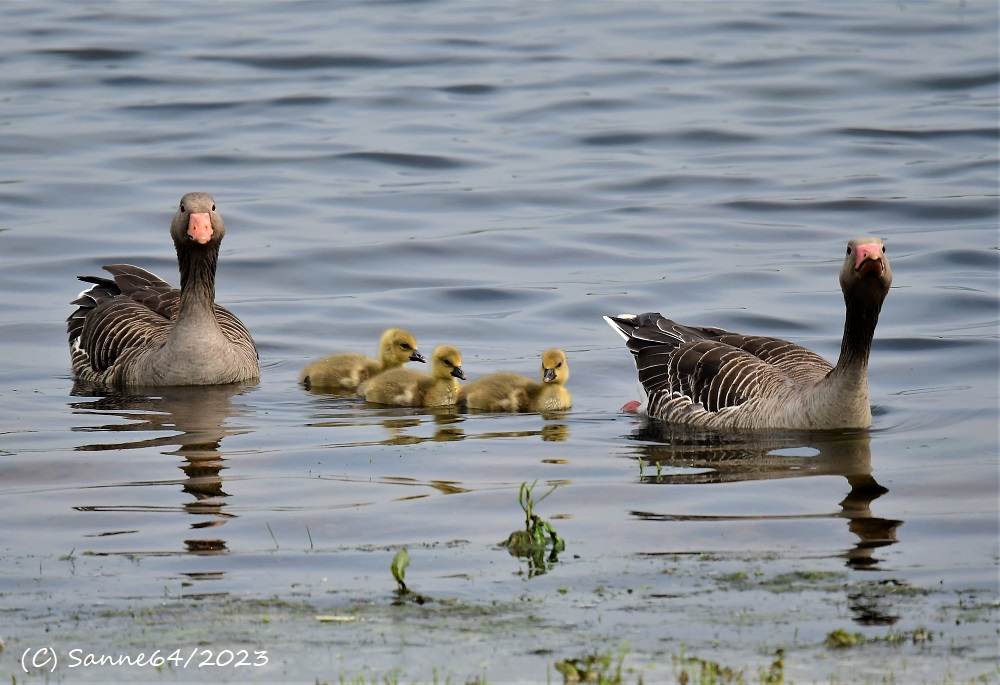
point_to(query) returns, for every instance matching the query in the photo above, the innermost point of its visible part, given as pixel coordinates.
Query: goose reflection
(198, 418)
(688, 457)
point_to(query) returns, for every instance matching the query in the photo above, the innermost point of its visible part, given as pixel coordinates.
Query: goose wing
(236, 332)
(146, 288)
(115, 329)
(800, 364)
(689, 370)
(117, 317)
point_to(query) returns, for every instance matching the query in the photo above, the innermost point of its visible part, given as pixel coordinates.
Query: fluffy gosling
(409, 388)
(348, 370)
(506, 391)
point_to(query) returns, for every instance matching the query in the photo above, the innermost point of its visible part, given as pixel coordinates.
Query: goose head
(555, 369)
(196, 222)
(397, 347)
(866, 273)
(447, 362)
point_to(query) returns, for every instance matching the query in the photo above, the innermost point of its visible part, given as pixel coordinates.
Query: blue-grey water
(498, 176)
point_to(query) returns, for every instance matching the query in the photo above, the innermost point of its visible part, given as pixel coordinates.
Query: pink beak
(200, 228)
(869, 257)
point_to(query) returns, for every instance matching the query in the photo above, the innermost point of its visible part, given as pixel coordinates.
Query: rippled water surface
(498, 177)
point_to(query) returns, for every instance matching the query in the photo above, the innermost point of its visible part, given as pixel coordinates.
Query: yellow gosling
(506, 391)
(348, 370)
(409, 388)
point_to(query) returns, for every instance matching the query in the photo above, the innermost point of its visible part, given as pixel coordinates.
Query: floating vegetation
(537, 537)
(841, 639)
(594, 668)
(695, 671)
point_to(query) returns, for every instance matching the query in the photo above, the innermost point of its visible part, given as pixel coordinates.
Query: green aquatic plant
(398, 568)
(689, 670)
(601, 668)
(841, 639)
(538, 535)
(775, 673)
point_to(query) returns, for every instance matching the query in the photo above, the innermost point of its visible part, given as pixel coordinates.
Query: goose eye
(213, 206)
(182, 207)
(883, 249)
(848, 249)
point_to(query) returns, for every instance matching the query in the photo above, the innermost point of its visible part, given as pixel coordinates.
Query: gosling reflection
(404, 425)
(678, 457)
(199, 415)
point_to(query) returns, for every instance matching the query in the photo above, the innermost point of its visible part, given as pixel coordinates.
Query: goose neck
(197, 269)
(859, 331)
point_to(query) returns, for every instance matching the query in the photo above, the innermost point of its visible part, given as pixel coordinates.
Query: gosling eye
(405, 346)
(447, 363)
(559, 365)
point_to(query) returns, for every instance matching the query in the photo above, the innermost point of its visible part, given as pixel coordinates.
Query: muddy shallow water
(498, 177)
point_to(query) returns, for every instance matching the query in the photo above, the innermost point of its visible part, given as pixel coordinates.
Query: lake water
(498, 177)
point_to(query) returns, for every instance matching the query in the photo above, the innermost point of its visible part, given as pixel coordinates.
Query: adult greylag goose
(348, 370)
(507, 391)
(135, 329)
(408, 388)
(711, 378)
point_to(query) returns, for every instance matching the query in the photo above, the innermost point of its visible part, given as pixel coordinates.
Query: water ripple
(93, 54)
(327, 61)
(990, 134)
(405, 160)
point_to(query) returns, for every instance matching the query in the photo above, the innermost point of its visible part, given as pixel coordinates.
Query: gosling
(409, 388)
(348, 370)
(506, 391)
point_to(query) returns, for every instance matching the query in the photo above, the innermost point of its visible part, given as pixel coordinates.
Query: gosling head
(398, 347)
(447, 362)
(555, 369)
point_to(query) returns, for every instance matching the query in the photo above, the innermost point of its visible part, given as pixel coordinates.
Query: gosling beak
(548, 375)
(417, 357)
(458, 373)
